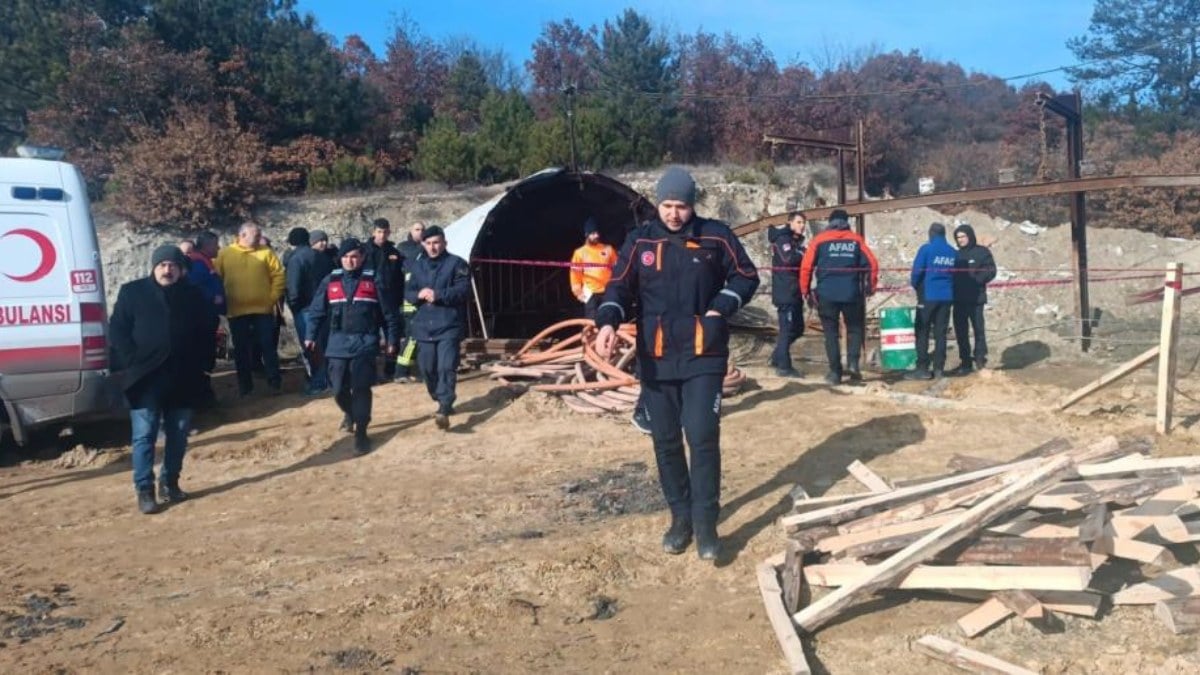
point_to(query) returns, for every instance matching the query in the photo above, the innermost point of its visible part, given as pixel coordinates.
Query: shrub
(202, 171)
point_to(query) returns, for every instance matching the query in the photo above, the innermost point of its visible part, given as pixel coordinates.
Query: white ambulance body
(53, 319)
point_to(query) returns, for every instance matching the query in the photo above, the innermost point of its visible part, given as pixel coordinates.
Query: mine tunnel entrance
(539, 220)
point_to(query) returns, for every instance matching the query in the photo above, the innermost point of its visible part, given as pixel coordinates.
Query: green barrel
(897, 338)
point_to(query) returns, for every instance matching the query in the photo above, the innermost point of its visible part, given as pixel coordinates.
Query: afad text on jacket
(844, 267)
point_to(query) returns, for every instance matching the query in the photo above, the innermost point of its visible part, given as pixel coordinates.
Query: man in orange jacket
(591, 268)
(846, 274)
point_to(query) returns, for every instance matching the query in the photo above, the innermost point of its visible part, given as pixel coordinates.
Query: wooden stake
(1109, 377)
(1169, 336)
(983, 617)
(785, 632)
(966, 659)
(1026, 483)
(873, 481)
(792, 577)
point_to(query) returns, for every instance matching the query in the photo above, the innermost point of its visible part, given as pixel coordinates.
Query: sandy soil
(525, 539)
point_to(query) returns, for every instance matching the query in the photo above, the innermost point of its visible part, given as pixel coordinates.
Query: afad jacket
(844, 267)
(787, 252)
(675, 279)
(591, 268)
(356, 308)
(932, 275)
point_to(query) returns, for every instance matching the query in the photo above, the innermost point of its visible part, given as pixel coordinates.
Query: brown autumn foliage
(201, 171)
(1174, 212)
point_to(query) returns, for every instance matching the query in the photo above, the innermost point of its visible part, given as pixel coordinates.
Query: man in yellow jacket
(591, 268)
(254, 283)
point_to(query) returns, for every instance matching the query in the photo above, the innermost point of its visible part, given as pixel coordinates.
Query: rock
(1047, 310)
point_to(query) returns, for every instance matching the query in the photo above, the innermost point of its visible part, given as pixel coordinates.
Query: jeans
(438, 361)
(247, 331)
(176, 423)
(855, 316)
(791, 327)
(688, 408)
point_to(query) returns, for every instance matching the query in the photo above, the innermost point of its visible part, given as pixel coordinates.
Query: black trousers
(791, 327)
(351, 381)
(970, 314)
(438, 361)
(688, 408)
(933, 319)
(855, 316)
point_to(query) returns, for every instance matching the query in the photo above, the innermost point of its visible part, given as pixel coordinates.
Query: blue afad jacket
(933, 271)
(675, 278)
(446, 317)
(351, 303)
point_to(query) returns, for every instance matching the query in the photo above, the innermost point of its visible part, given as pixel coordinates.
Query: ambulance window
(24, 193)
(51, 194)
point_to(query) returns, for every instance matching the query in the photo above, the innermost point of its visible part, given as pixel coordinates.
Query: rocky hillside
(1025, 252)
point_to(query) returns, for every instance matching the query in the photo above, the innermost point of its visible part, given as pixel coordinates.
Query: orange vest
(595, 275)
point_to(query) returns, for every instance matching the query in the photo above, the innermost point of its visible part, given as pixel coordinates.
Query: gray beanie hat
(317, 235)
(167, 252)
(676, 184)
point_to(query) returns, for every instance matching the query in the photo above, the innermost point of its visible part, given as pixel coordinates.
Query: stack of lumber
(562, 361)
(1023, 538)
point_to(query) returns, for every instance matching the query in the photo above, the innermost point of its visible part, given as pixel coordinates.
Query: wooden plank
(792, 577)
(1132, 549)
(1025, 484)
(1169, 338)
(925, 507)
(960, 462)
(1181, 583)
(1180, 616)
(1073, 495)
(838, 542)
(1033, 529)
(781, 622)
(983, 617)
(1168, 528)
(1095, 520)
(1018, 551)
(1079, 603)
(966, 577)
(1108, 378)
(1127, 465)
(849, 511)
(873, 481)
(1021, 602)
(966, 659)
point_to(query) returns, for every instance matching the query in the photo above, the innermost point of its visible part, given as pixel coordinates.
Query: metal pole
(569, 91)
(1079, 223)
(841, 177)
(861, 176)
(479, 308)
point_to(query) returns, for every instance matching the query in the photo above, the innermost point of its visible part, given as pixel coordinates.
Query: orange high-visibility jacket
(595, 275)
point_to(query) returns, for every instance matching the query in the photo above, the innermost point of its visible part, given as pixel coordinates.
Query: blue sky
(1003, 38)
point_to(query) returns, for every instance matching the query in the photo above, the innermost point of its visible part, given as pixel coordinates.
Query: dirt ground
(524, 539)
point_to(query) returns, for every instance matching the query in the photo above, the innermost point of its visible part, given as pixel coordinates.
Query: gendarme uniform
(676, 278)
(356, 309)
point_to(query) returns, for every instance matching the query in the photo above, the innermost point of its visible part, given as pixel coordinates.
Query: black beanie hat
(676, 185)
(937, 230)
(590, 225)
(839, 217)
(433, 231)
(297, 236)
(349, 244)
(167, 252)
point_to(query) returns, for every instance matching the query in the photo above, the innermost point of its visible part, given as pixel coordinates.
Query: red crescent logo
(45, 246)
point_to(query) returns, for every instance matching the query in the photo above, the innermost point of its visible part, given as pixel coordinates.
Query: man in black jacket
(439, 286)
(410, 250)
(161, 331)
(385, 259)
(974, 269)
(787, 250)
(304, 270)
(356, 310)
(687, 275)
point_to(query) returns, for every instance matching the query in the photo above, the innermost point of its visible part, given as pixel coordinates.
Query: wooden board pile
(1024, 538)
(561, 361)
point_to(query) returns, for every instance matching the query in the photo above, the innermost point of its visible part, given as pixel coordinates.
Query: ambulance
(53, 318)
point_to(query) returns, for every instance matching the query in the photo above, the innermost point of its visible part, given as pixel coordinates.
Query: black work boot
(918, 374)
(146, 502)
(964, 368)
(362, 444)
(853, 373)
(347, 424)
(708, 544)
(169, 492)
(676, 539)
(833, 378)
